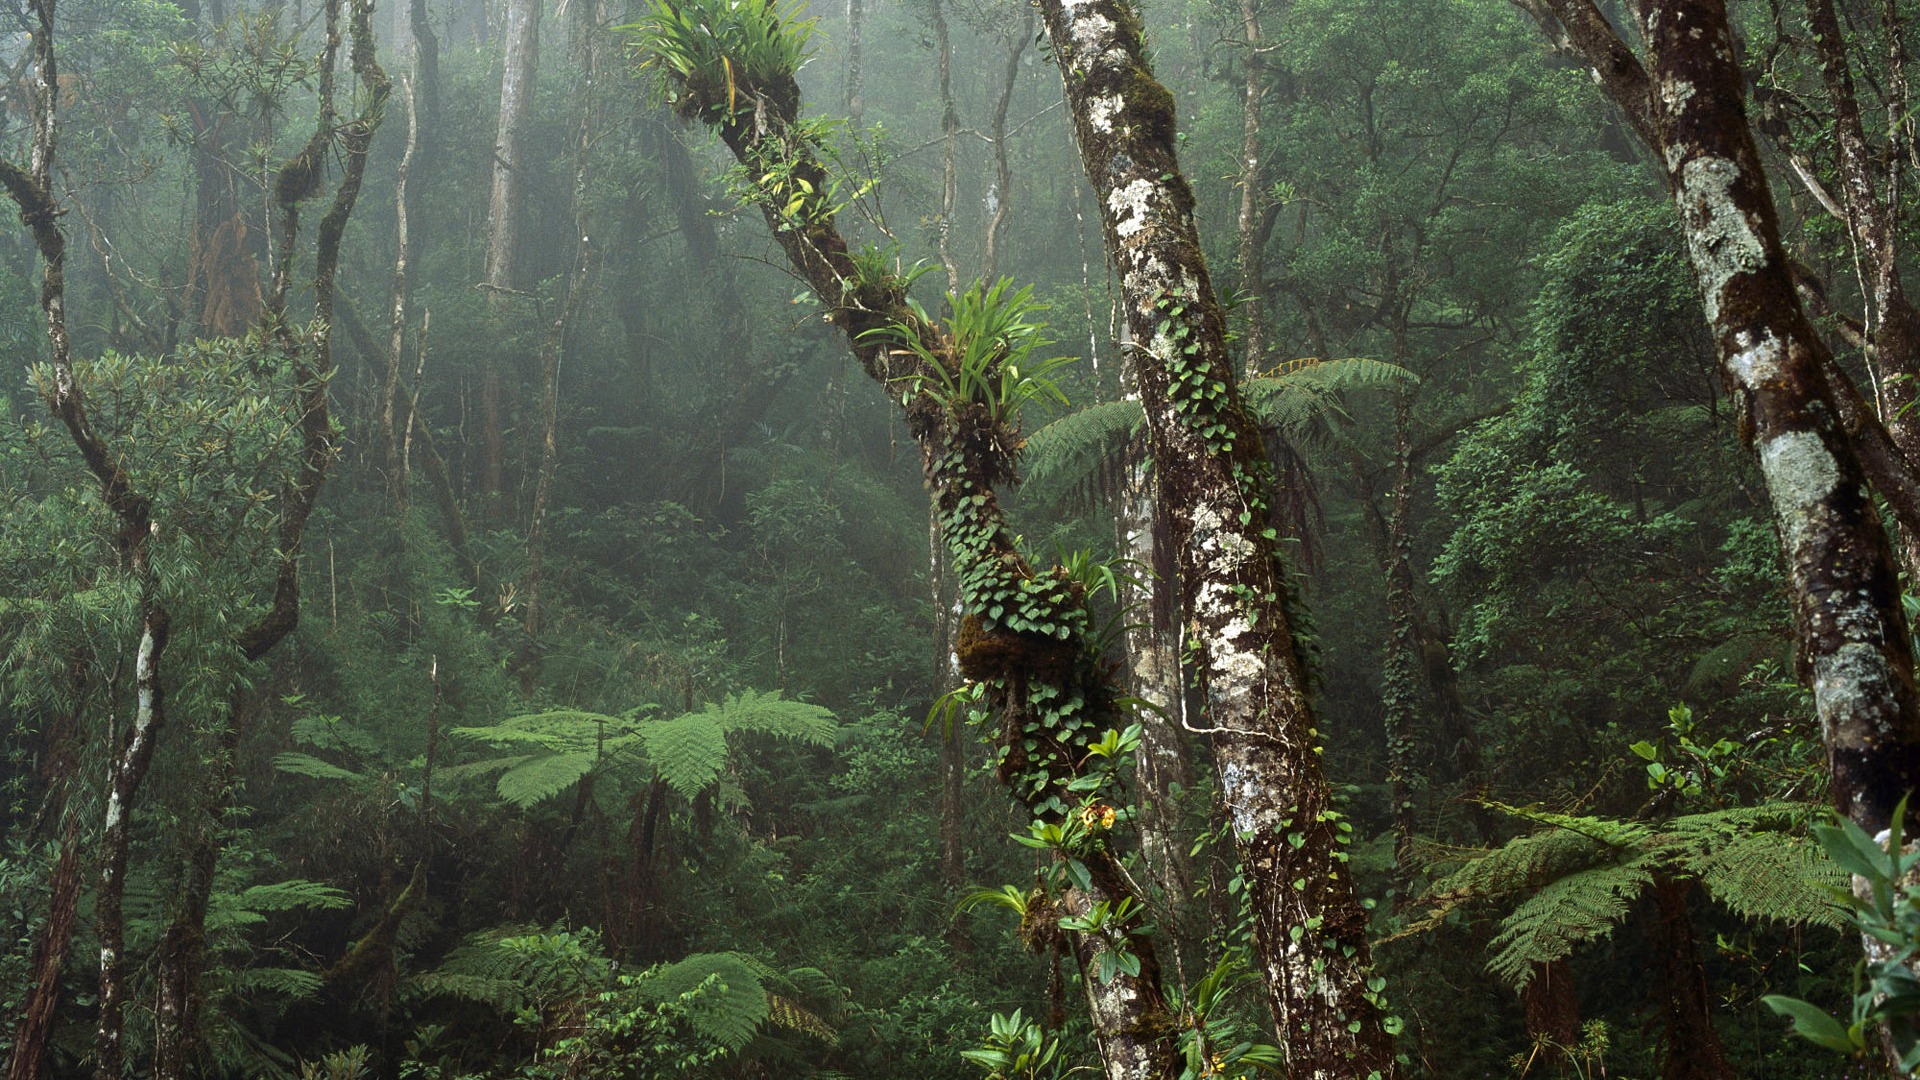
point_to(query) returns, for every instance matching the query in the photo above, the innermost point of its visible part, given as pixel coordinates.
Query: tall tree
(1310, 931)
(1687, 103)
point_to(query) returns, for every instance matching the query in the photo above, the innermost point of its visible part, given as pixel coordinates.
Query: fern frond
(542, 777)
(687, 752)
(333, 733)
(1083, 450)
(307, 765)
(730, 1011)
(292, 983)
(770, 714)
(555, 729)
(1568, 911)
(1298, 399)
(294, 894)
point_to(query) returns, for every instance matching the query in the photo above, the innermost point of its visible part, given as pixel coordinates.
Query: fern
(251, 906)
(771, 714)
(1297, 399)
(730, 1012)
(307, 765)
(687, 752)
(1082, 451)
(1584, 874)
(539, 778)
(1577, 908)
(291, 983)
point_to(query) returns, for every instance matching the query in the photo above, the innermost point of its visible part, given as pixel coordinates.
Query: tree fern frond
(687, 752)
(293, 894)
(554, 729)
(292, 983)
(1566, 912)
(1298, 398)
(1775, 877)
(771, 714)
(307, 765)
(1082, 450)
(543, 776)
(731, 1012)
(333, 733)
(480, 768)
(1529, 862)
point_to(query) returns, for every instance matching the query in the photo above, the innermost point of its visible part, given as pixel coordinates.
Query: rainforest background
(616, 735)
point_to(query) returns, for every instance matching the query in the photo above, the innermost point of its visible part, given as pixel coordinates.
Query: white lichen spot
(1102, 111)
(1128, 205)
(1676, 94)
(1720, 239)
(1757, 359)
(1234, 782)
(1801, 475)
(1850, 684)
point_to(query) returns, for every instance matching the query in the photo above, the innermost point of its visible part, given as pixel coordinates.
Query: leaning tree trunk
(1846, 597)
(1309, 928)
(1686, 104)
(1044, 682)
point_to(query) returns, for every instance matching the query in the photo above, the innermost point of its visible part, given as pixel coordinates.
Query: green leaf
(1814, 1025)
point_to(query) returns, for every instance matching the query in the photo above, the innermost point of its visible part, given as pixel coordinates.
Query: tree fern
(687, 752)
(731, 1011)
(1297, 399)
(538, 778)
(771, 714)
(307, 765)
(1580, 907)
(1082, 451)
(1581, 875)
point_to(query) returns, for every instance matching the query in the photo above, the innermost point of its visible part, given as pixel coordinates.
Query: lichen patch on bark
(1801, 475)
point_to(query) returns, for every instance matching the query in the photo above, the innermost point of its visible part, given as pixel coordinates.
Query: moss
(1150, 106)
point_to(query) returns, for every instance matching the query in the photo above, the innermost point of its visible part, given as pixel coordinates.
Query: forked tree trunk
(1309, 930)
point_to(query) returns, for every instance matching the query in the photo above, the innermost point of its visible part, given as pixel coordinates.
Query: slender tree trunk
(49, 956)
(1253, 186)
(1309, 930)
(555, 347)
(1002, 197)
(854, 100)
(949, 145)
(519, 70)
(1553, 1013)
(129, 771)
(1153, 665)
(1399, 693)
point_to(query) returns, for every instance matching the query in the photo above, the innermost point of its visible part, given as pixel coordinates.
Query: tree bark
(1310, 932)
(1045, 685)
(520, 67)
(1853, 636)
(1694, 1051)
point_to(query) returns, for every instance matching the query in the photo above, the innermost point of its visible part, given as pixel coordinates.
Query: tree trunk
(1853, 635)
(1002, 196)
(1046, 686)
(1309, 929)
(49, 955)
(519, 70)
(1693, 1047)
(1153, 666)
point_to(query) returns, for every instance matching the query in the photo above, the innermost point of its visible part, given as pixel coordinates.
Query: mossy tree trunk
(1045, 685)
(1310, 931)
(1687, 103)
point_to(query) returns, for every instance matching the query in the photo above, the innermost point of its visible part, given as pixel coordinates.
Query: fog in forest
(958, 539)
